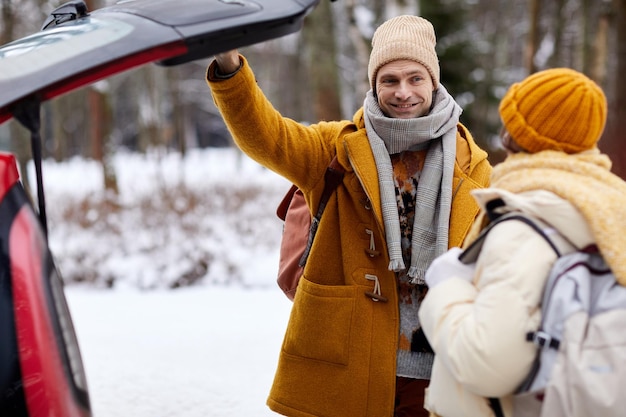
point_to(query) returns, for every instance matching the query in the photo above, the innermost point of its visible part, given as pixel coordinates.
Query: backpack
(580, 368)
(299, 228)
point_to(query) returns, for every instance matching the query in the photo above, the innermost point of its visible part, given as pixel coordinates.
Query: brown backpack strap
(332, 178)
(281, 210)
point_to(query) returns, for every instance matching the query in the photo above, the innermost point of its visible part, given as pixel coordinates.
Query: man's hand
(228, 62)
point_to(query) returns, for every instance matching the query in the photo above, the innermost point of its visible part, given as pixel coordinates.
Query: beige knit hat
(404, 37)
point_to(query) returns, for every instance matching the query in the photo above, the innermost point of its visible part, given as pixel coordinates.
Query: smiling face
(404, 89)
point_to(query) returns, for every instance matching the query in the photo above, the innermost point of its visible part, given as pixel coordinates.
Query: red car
(41, 370)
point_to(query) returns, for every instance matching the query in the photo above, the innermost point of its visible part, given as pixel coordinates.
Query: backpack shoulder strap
(281, 210)
(332, 178)
(470, 254)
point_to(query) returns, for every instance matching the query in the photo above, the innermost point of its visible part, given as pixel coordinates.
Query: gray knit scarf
(437, 132)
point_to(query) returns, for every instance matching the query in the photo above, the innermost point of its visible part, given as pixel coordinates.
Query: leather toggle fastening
(375, 295)
(371, 251)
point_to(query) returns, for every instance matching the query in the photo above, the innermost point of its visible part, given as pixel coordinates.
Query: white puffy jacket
(478, 329)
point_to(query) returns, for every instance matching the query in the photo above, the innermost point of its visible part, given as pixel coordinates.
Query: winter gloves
(448, 266)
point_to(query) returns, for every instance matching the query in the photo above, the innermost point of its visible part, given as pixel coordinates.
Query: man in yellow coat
(354, 345)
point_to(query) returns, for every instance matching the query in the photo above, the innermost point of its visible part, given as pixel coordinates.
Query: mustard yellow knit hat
(557, 109)
(404, 37)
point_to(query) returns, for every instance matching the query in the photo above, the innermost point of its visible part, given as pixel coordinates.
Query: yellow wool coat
(338, 356)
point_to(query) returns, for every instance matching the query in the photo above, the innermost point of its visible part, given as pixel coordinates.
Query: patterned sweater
(415, 356)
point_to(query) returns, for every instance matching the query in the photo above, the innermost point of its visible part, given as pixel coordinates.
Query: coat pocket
(321, 322)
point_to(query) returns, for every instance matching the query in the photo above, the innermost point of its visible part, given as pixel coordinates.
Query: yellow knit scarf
(585, 181)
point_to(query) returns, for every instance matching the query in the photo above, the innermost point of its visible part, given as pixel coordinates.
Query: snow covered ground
(194, 352)
(209, 349)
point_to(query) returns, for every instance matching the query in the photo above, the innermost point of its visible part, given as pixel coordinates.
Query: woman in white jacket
(476, 317)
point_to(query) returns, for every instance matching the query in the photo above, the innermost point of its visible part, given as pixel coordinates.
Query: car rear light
(47, 377)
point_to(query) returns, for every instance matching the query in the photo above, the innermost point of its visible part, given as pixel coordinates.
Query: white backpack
(580, 369)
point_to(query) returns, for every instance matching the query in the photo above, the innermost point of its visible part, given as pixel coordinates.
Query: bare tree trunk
(599, 57)
(379, 8)
(100, 133)
(533, 36)
(320, 42)
(615, 133)
(352, 74)
(361, 46)
(20, 146)
(149, 102)
(95, 100)
(587, 42)
(178, 110)
(20, 140)
(59, 146)
(99, 116)
(559, 25)
(7, 22)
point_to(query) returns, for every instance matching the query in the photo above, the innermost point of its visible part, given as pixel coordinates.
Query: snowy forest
(320, 74)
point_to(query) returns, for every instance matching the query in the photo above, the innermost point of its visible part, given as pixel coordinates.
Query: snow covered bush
(207, 218)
